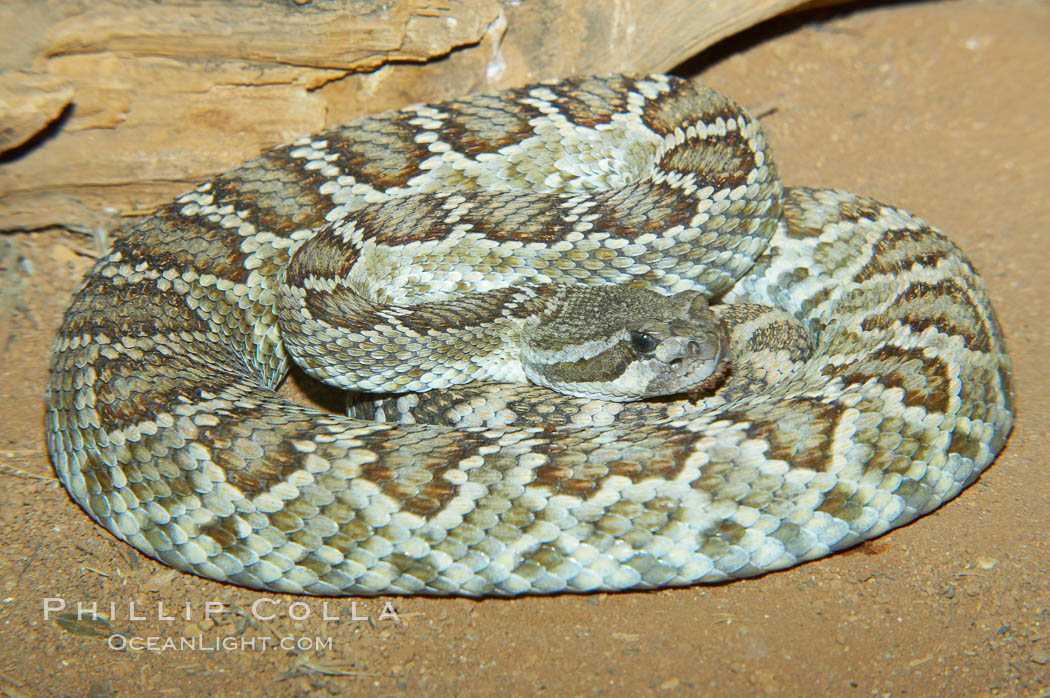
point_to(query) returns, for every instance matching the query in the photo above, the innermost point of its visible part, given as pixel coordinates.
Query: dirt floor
(938, 107)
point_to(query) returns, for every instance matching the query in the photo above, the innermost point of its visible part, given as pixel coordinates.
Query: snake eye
(643, 342)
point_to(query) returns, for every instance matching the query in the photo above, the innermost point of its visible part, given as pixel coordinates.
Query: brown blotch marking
(578, 487)
(524, 216)
(251, 475)
(397, 222)
(546, 556)
(486, 123)
(679, 105)
(675, 447)
(552, 474)
(121, 310)
(413, 568)
(378, 473)
(418, 218)
(99, 472)
(965, 320)
(272, 192)
(777, 330)
(438, 489)
(345, 308)
(801, 432)
(126, 388)
(723, 162)
(315, 564)
(430, 497)
(276, 192)
(661, 468)
(886, 366)
(589, 102)
(798, 202)
(625, 468)
(712, 383)
(285, 522)
(840, 504)
(400, 491)
(256, 474)
(728, 533)
(423, 505)
(901, 249)
(965, 444)
(641, 208)
(324, 256)
(341, 307)
(859, 208)
(223, 532)
(380, 151)
(170, 240)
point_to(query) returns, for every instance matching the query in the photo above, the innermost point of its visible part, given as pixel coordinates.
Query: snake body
(164, 424)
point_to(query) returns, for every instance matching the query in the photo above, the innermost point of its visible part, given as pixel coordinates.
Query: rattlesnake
(164, 424)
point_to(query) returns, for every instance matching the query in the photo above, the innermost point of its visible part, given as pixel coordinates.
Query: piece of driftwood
(110, 107)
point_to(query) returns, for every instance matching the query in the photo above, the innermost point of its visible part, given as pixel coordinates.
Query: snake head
(622, 343)
(682, 346)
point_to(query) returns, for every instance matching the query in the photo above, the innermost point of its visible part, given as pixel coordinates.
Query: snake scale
(163, 422)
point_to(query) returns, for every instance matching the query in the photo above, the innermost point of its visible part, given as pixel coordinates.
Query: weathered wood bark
(110, 107)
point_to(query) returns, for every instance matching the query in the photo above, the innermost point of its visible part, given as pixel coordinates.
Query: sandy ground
(937, 107)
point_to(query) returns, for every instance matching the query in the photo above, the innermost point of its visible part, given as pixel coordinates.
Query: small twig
(764, 111)
(8, 469)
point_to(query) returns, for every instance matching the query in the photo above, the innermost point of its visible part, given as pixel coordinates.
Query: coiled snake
(451, 222)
